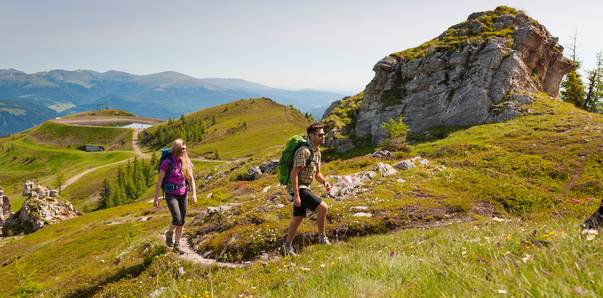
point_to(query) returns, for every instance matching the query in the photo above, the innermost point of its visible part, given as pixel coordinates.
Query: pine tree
(572, 85)
(573, 89)
(595, 85)
(106, 194)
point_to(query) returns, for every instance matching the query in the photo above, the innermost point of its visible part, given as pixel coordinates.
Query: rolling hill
(29, 99)
(506, 186)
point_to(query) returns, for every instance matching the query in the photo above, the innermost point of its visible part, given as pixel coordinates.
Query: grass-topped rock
(479, 71)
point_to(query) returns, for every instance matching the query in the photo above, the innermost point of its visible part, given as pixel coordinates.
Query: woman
(177, 170)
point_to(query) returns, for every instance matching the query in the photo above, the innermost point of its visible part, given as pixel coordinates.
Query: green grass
(73, 257)
(22, 160)
(541, 170)
(268, 125)
(470, 259)
(100, 113)
(84, 194)
(71, 136)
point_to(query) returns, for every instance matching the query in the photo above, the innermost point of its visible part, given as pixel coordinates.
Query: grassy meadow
(495, 212)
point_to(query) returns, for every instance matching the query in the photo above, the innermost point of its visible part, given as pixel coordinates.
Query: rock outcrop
(5, 207)
(42, 207)
(480, 71)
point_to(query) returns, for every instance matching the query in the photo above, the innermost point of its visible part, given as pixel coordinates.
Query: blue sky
(296, 44)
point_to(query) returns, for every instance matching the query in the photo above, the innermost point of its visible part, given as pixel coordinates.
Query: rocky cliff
(479, 71)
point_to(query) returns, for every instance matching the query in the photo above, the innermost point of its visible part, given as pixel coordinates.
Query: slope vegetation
(542, 171)
(60, 135)
(233, 130)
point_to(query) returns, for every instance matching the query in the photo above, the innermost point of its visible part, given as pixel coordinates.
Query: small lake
(137, 126)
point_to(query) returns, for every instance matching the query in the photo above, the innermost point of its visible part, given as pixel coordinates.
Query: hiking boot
(288, 250)
(322, 239)
(177, 249)
(593, 222)
(169, 238)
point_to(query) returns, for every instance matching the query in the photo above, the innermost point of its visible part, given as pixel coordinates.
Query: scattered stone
(363, 214)
(269, 167)
(405, 165)
(439, 168)
(210, 195)
(358, 208)
(157, 292)
(145, 218)
(423, 162)
(181, 271)
(219, 209)
(349, 184)
(279, 205)
(400, 180)
(199, 217)
(254, 173)
(591, 234)
(497, 219)
(487, 209)
(381, 154)
(267, 188)
(526, 258)
(385, 169)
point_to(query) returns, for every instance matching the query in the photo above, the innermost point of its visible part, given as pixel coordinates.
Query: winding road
(137, 151)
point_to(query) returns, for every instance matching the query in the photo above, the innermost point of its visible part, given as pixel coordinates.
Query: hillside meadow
(495, 212)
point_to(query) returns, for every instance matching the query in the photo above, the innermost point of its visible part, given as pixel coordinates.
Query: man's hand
(156, 202)
(328, 186)
(297, 201)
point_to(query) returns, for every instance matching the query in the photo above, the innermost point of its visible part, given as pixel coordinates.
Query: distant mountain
(29, 99)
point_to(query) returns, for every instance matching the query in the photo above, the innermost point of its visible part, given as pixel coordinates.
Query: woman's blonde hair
(186, 165)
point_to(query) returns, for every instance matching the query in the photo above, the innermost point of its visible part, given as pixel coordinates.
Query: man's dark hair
(314, 127)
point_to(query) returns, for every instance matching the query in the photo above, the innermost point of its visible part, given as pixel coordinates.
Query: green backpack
(286, 161)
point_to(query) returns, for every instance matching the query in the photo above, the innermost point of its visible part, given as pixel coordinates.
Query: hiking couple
(305, 167)
(175, 178)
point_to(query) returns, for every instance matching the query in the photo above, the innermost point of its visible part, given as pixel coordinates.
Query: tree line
(131, 182)
(190, 129)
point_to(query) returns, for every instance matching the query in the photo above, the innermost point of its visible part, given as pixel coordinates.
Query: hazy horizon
(311, 45)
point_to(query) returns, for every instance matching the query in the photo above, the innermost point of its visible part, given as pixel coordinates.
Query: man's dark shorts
(308, 201)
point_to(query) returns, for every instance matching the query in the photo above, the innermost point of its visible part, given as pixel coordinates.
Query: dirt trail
(137, 148)
(137, 151)
(80, 175)
(193, 257)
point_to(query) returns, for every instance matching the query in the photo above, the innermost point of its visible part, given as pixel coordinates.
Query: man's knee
(323, 207)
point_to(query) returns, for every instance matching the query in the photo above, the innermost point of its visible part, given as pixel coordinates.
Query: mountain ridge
(163, 95)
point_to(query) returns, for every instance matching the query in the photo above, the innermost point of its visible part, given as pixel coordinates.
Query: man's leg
(323, 208)
(293, 226)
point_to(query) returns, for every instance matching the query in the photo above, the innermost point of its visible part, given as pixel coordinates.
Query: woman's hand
(156, 202)
(194, 198)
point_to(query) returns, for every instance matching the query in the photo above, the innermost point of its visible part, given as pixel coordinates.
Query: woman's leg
(182, 202)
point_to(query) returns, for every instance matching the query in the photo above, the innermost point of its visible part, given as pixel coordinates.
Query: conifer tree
(595, 85)
(572, 85)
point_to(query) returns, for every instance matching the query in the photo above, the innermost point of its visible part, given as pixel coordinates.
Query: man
(306, 167)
